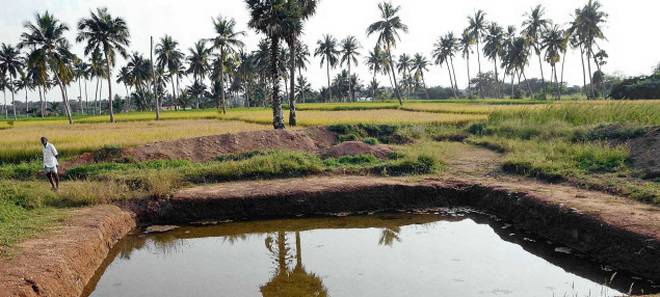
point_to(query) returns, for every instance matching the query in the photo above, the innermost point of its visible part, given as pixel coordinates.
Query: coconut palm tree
(198, 65)
(443, 52)
(388, 28)
(533, 27)
(270, 17)
(50, 52)
(110, 36)
(170, 58)
(420, 65)
(327, 50)
(26, 84)
(80, 72)
(11, 63)
(227, 42)
(508, 68)
(588, 29)
(4, 86)
(298, 12)
(376, 62)
(517, 59)
(553, 42)
(465, 47)
(403, 67)
(349, 53)
(477, 28)
(493, 47)
(98, 70)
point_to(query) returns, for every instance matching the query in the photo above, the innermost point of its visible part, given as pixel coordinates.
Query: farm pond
(405, 254)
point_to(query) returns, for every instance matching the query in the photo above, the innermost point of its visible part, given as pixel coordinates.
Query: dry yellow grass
(465, 108)
(388, 116)
(22, 141)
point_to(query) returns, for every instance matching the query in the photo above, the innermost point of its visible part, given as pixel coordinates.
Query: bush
(352, 161)
(370, 141)
(423, 164)
(107, 153)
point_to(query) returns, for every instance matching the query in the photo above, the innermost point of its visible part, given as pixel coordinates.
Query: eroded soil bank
(591, 223)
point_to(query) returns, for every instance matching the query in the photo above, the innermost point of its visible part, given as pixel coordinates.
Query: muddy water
(379, 255)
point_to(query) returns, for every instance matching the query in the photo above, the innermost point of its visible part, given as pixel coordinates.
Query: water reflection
(380, 255)
(286, 282)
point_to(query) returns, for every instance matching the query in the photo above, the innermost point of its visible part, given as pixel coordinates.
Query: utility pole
(153, 79)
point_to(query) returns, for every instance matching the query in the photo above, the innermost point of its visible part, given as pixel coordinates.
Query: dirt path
(61, 262)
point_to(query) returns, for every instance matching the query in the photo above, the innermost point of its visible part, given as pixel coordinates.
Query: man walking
(50, 163)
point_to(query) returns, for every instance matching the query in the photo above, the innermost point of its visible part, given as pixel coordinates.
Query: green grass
(580, 143)
(18, 223)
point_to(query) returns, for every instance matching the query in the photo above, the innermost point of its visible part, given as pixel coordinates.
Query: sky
(631, 46)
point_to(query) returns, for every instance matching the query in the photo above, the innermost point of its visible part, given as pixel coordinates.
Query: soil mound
(645, 153)
(203, 149)
(352, 148)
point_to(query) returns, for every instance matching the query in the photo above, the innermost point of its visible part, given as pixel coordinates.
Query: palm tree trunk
(11, 90)
(327, 67)
(278, 118)
(373, 91)
(222, 80)
(481, 95)
(350, 82)
(173, 92)
(584, 76)
(453, 70)
(538, 53)
(529, 87)
(497, 78)
(426, 90)
(4, 96)
(563, 63)
(451, 79)
(86, 97)
(513, 83)
(27, 104)
(107, 68)
(65, 100)
(554, 68)
(292, 84)
(153, 77)
(396, 86)
(469, 89)
(41, 103)
(96, 95)
(80, 97)
(592, 94)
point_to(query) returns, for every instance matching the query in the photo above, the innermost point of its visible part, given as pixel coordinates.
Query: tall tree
(349, 54)
(388, 28)
(227, 41)
(420, 65)
(109, 35)
(80, 72)
(493, 47)
(269, 17)
(477, 28)
(198, 66)
(11, 64)
(533, 27)
(170, 58)
(589, 30)
(403, 67)
(298, 11)
(327, 50)
(376, 62)
(553, 42)
(465, 46)
(50, 52)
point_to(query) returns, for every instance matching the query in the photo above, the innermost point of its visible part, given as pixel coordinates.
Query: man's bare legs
(54, 180)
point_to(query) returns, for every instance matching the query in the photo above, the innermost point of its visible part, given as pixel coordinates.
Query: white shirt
(50, 155)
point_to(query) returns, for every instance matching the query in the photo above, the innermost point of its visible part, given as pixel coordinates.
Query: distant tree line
(225, 73)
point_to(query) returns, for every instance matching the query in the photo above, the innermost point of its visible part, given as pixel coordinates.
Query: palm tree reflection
(390, 235)
(288, 282)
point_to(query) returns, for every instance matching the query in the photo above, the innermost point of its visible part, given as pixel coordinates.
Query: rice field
(22, 141)
(369, 116)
